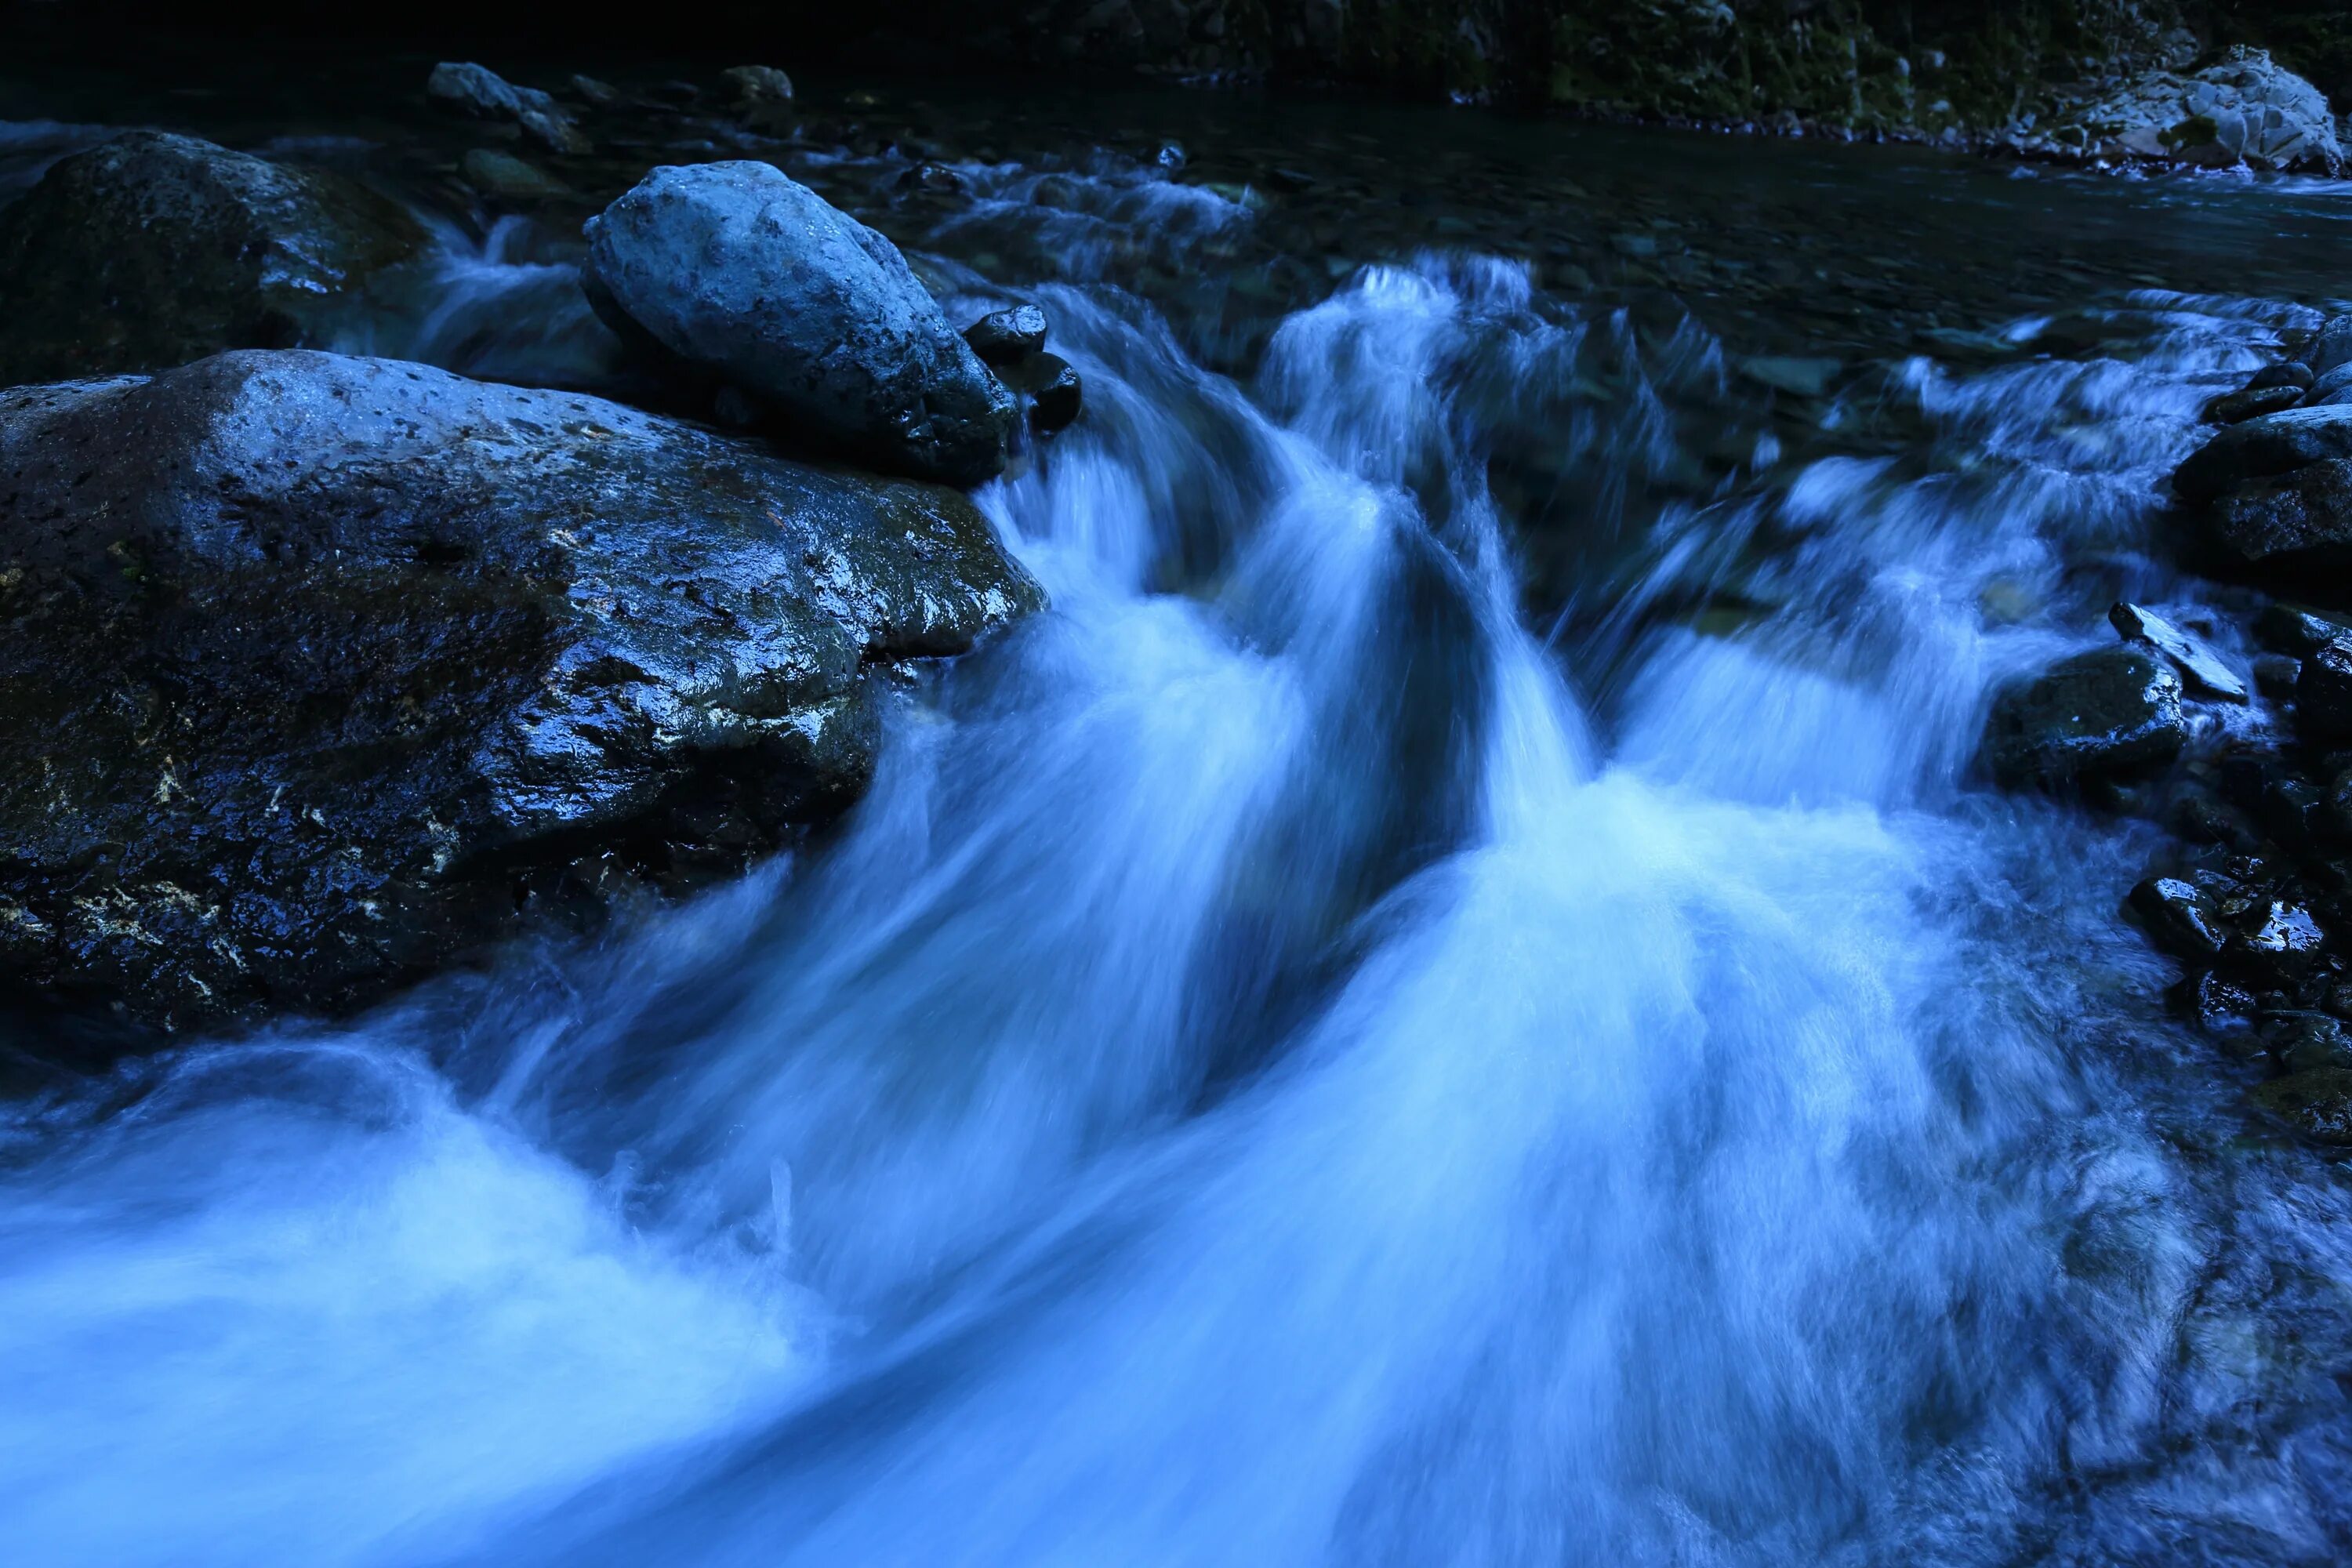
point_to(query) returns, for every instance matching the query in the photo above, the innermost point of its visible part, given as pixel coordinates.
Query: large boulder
(318, 670)
(2246, 112)
(2105, 715)
(2275, 492)
(739, 271)
(155, 249)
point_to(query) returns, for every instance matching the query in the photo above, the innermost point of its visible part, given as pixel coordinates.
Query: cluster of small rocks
(2255, 902)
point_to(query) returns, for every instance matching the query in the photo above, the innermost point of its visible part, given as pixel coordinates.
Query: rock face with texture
(2246, 112)
(479, 92)
(2275, 492)
(739, 271)
(155, 249)
(2110, 712)
(318, 669)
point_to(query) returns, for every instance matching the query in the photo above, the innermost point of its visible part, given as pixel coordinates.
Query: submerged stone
(155, 249)
(2318, 1103)
(316, 665)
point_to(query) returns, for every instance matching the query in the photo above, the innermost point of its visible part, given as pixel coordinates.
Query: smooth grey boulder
(2110, 712)
(155, 249)
(318, 671)
(481, 92)
(739, 271)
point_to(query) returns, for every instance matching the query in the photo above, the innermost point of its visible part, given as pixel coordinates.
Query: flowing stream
(1321, 1049)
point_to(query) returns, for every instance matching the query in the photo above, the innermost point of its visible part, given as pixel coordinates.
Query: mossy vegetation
(1864, 64)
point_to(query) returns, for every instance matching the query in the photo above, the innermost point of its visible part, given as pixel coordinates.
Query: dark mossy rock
(318, 670)
(2323, 694)
(2252, 403)
(1005, 337)
(2317, 1103)
(2307, 1041)
(2299, 519)
(2112, 712)
(2263, 449)
(153, 250)
(1049, 386)
(2178, 919)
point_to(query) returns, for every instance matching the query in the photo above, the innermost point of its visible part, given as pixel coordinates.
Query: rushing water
(1457, 1001)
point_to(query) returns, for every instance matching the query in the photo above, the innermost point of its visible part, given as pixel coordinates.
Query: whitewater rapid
(1300, 1058)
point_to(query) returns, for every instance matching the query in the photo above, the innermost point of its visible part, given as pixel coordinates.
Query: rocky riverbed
(873, 820)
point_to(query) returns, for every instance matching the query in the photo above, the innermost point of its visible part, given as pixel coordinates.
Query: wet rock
(2215, 1003)
(2335, 383)
(2275, 675)
(503, 177)
(739, 271)
(1003, 337)
(2110, 712)
(2329, 354)
(2261, 448)
(2296, 630)
(2302, 518)
(2295, 812)
(482, 93)
(155, 249)
(2199, 665)
(318, 670)
(2323, 695)
(2318, 1104)
(2286, 373)
(2307, 1041)
(760, 96)
(2276, 944)
(2237, 407)
(1051, 384)
(934, 179)
(2178, 920)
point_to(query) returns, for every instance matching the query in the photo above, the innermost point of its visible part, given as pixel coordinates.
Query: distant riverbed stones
(736, 272)
(480, 92)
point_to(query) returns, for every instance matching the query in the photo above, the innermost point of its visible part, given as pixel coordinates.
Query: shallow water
(1457, 1000)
